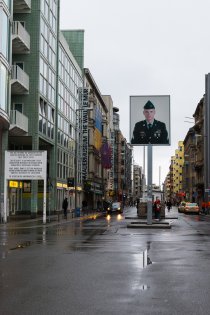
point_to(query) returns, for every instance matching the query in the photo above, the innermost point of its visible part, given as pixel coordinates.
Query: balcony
(18, 124)
(20, 39)
(19, 81)
(21, 6)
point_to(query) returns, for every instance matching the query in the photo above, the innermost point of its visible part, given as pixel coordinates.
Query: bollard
(77, 212)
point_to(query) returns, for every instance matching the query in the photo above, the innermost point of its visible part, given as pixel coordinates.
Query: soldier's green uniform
(156, 134)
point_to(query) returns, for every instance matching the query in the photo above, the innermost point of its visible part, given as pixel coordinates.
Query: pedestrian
(84, 207)
(65, 207)
(98, 205)
(137, 204)
(157, 208)
(203, 206)
(150, 130)
(168, 205)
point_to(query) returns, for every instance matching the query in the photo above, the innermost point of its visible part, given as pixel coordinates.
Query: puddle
(144, 287)
(21, 245)
(136, 286)
(142, 260)
(4, 254)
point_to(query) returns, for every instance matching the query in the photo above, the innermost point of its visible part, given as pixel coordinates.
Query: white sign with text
(30, 165)
(25, 165)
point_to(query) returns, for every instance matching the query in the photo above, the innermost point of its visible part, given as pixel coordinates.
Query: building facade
(178, 166)
(95, 175)
(46, 78)
(49, 102)
(137, 182)
(5, 75)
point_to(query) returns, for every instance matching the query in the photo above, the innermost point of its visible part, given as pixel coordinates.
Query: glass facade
(4, 51)
(70, 81)
(8, 3)
(47, 78)
(3, 87)
(4, 34)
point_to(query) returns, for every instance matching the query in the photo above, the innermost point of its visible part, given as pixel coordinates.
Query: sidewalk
(58, 219)
(51, 220)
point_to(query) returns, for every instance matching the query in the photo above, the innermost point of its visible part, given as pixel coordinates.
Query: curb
(35, 223)
(154, 225)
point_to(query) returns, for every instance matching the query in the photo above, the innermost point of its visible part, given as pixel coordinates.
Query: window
(3, 86)
(18, 107)
(46, 119)
(19, 64)
(4, 33)
(27, 187)
(8, 3)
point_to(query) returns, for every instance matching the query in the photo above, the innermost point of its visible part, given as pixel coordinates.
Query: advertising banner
(85, 134)
(98, 129)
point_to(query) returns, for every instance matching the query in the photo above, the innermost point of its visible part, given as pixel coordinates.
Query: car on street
(191, 207)
(181, 207)
(116, 207)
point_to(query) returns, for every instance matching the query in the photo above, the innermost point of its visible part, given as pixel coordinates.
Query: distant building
(137, 182)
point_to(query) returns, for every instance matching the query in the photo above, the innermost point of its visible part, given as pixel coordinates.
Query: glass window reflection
(4, 33)
(3, 87)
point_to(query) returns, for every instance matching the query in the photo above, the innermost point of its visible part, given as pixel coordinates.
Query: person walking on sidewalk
(65, 207)
(168, 205)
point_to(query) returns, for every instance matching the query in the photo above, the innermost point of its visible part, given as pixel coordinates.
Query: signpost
(25, 165)
(149, 126)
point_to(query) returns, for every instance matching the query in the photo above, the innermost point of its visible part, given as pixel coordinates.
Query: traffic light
(70, 182)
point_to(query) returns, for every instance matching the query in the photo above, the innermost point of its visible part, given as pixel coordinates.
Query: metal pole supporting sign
(149, 184)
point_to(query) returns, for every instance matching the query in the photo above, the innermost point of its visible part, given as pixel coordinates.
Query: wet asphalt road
(100, 266)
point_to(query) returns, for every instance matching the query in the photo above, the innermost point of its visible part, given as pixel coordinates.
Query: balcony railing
(18, 123)
(20, 39)
(20, 81)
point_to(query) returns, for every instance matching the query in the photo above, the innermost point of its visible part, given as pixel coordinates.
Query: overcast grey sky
(146, 47)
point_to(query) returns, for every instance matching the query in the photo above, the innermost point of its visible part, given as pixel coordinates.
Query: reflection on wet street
(86, 262)
(75, 231)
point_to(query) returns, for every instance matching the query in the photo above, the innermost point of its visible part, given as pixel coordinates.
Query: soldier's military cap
(149, 105)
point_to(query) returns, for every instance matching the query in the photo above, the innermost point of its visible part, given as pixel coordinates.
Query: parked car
(191, 208)
(116, 207)
(181, 207)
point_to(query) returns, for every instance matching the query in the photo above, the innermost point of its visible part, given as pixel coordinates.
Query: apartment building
(178, 165)
(137, 182)
(122, 163)
(95, 143)
(46, 78)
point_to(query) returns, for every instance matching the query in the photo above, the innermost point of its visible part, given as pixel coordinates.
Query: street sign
(25, 165)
